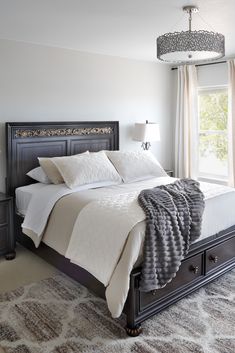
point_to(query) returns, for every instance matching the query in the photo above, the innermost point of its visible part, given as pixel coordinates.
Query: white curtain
(231, 122)
(186, 129)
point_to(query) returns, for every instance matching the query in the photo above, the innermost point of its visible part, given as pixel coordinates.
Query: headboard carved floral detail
(63, 132)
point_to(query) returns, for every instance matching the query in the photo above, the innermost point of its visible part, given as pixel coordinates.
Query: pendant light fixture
(190, 46)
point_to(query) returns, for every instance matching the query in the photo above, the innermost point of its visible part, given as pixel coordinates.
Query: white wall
(39, 83)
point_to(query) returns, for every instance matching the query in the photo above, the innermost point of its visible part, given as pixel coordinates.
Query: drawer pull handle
(213, 258)
(194, 269)
(154, 291)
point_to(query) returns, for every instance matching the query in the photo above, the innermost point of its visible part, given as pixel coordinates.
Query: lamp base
(145, 145)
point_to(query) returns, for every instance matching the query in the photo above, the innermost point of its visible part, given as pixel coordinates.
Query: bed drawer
(189, 271)
(220, 254)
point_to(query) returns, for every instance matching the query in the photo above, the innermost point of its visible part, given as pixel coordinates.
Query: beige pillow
(51, 169)
(93, 168)
(136, 165)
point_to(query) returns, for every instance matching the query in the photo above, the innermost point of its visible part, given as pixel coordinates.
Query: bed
(207, 259)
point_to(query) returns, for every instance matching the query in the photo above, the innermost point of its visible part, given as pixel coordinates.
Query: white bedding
(219, 214)
(24, 195)
(42, 202)
(103, 227)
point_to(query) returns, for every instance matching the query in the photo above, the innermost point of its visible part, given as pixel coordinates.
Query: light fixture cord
(174, 26)
(190, 20)
(207, 23)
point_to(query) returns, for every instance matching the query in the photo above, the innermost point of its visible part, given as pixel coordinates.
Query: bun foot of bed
(134, 331)
(10, 256)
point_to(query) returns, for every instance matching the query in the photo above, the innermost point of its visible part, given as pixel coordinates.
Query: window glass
(213, 140)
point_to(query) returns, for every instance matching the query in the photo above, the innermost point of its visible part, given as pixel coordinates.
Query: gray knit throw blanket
(173, 222)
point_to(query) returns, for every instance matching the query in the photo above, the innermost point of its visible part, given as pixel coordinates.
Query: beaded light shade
(190, 46)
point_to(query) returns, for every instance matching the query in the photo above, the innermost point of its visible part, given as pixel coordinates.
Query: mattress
(24, 195)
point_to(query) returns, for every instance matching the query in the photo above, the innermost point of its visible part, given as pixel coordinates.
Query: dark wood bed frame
(207, 259)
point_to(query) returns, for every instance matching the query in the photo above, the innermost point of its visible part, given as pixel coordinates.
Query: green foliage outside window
(213, 110)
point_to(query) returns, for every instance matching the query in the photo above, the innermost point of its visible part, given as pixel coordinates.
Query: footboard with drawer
(206, 261)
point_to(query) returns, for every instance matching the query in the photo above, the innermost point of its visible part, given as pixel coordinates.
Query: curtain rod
(206, 64)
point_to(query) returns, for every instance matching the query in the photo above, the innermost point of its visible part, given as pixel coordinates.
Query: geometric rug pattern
(58, 315)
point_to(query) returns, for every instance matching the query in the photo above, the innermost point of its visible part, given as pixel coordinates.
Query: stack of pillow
(100, 168)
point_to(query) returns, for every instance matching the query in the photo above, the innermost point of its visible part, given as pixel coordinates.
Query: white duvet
(108, 235)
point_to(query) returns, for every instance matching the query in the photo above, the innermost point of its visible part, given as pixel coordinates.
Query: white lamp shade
(146, 132)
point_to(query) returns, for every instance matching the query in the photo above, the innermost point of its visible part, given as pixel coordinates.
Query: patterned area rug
(57, 315)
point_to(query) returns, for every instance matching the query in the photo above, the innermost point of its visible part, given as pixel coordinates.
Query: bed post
(132, 328)
(133, 331)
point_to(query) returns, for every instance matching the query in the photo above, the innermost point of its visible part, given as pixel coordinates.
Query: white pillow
(87, 169)
(51, 169)
(38, 174)
(136, 165)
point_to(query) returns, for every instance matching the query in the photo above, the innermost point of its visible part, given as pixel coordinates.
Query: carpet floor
(57, 315)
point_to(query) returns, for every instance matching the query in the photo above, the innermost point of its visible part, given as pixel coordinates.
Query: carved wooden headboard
(27, 141)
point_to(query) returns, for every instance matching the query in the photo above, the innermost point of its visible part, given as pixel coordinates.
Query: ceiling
(125, 28)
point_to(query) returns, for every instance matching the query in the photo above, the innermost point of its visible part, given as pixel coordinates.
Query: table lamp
(146, 133)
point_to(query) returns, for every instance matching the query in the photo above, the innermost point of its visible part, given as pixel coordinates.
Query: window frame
(210, 177)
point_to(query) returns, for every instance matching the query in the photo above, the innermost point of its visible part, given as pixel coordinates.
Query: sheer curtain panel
(231, 122)
(186, 131)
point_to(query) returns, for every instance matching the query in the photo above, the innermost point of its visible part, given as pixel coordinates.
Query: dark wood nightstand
(7, 238)
(169, 172)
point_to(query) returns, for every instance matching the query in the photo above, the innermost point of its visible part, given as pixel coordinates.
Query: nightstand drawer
(3, 239)
(3, 213)
(7, 236)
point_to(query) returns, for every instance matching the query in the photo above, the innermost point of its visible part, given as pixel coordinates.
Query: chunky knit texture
(173, 221)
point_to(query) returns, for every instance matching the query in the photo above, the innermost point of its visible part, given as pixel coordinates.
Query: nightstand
(169, 172)
(7, 238)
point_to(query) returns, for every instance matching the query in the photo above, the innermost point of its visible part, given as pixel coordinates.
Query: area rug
(57, 315)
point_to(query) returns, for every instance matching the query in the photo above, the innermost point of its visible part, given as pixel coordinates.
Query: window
(213, 141)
